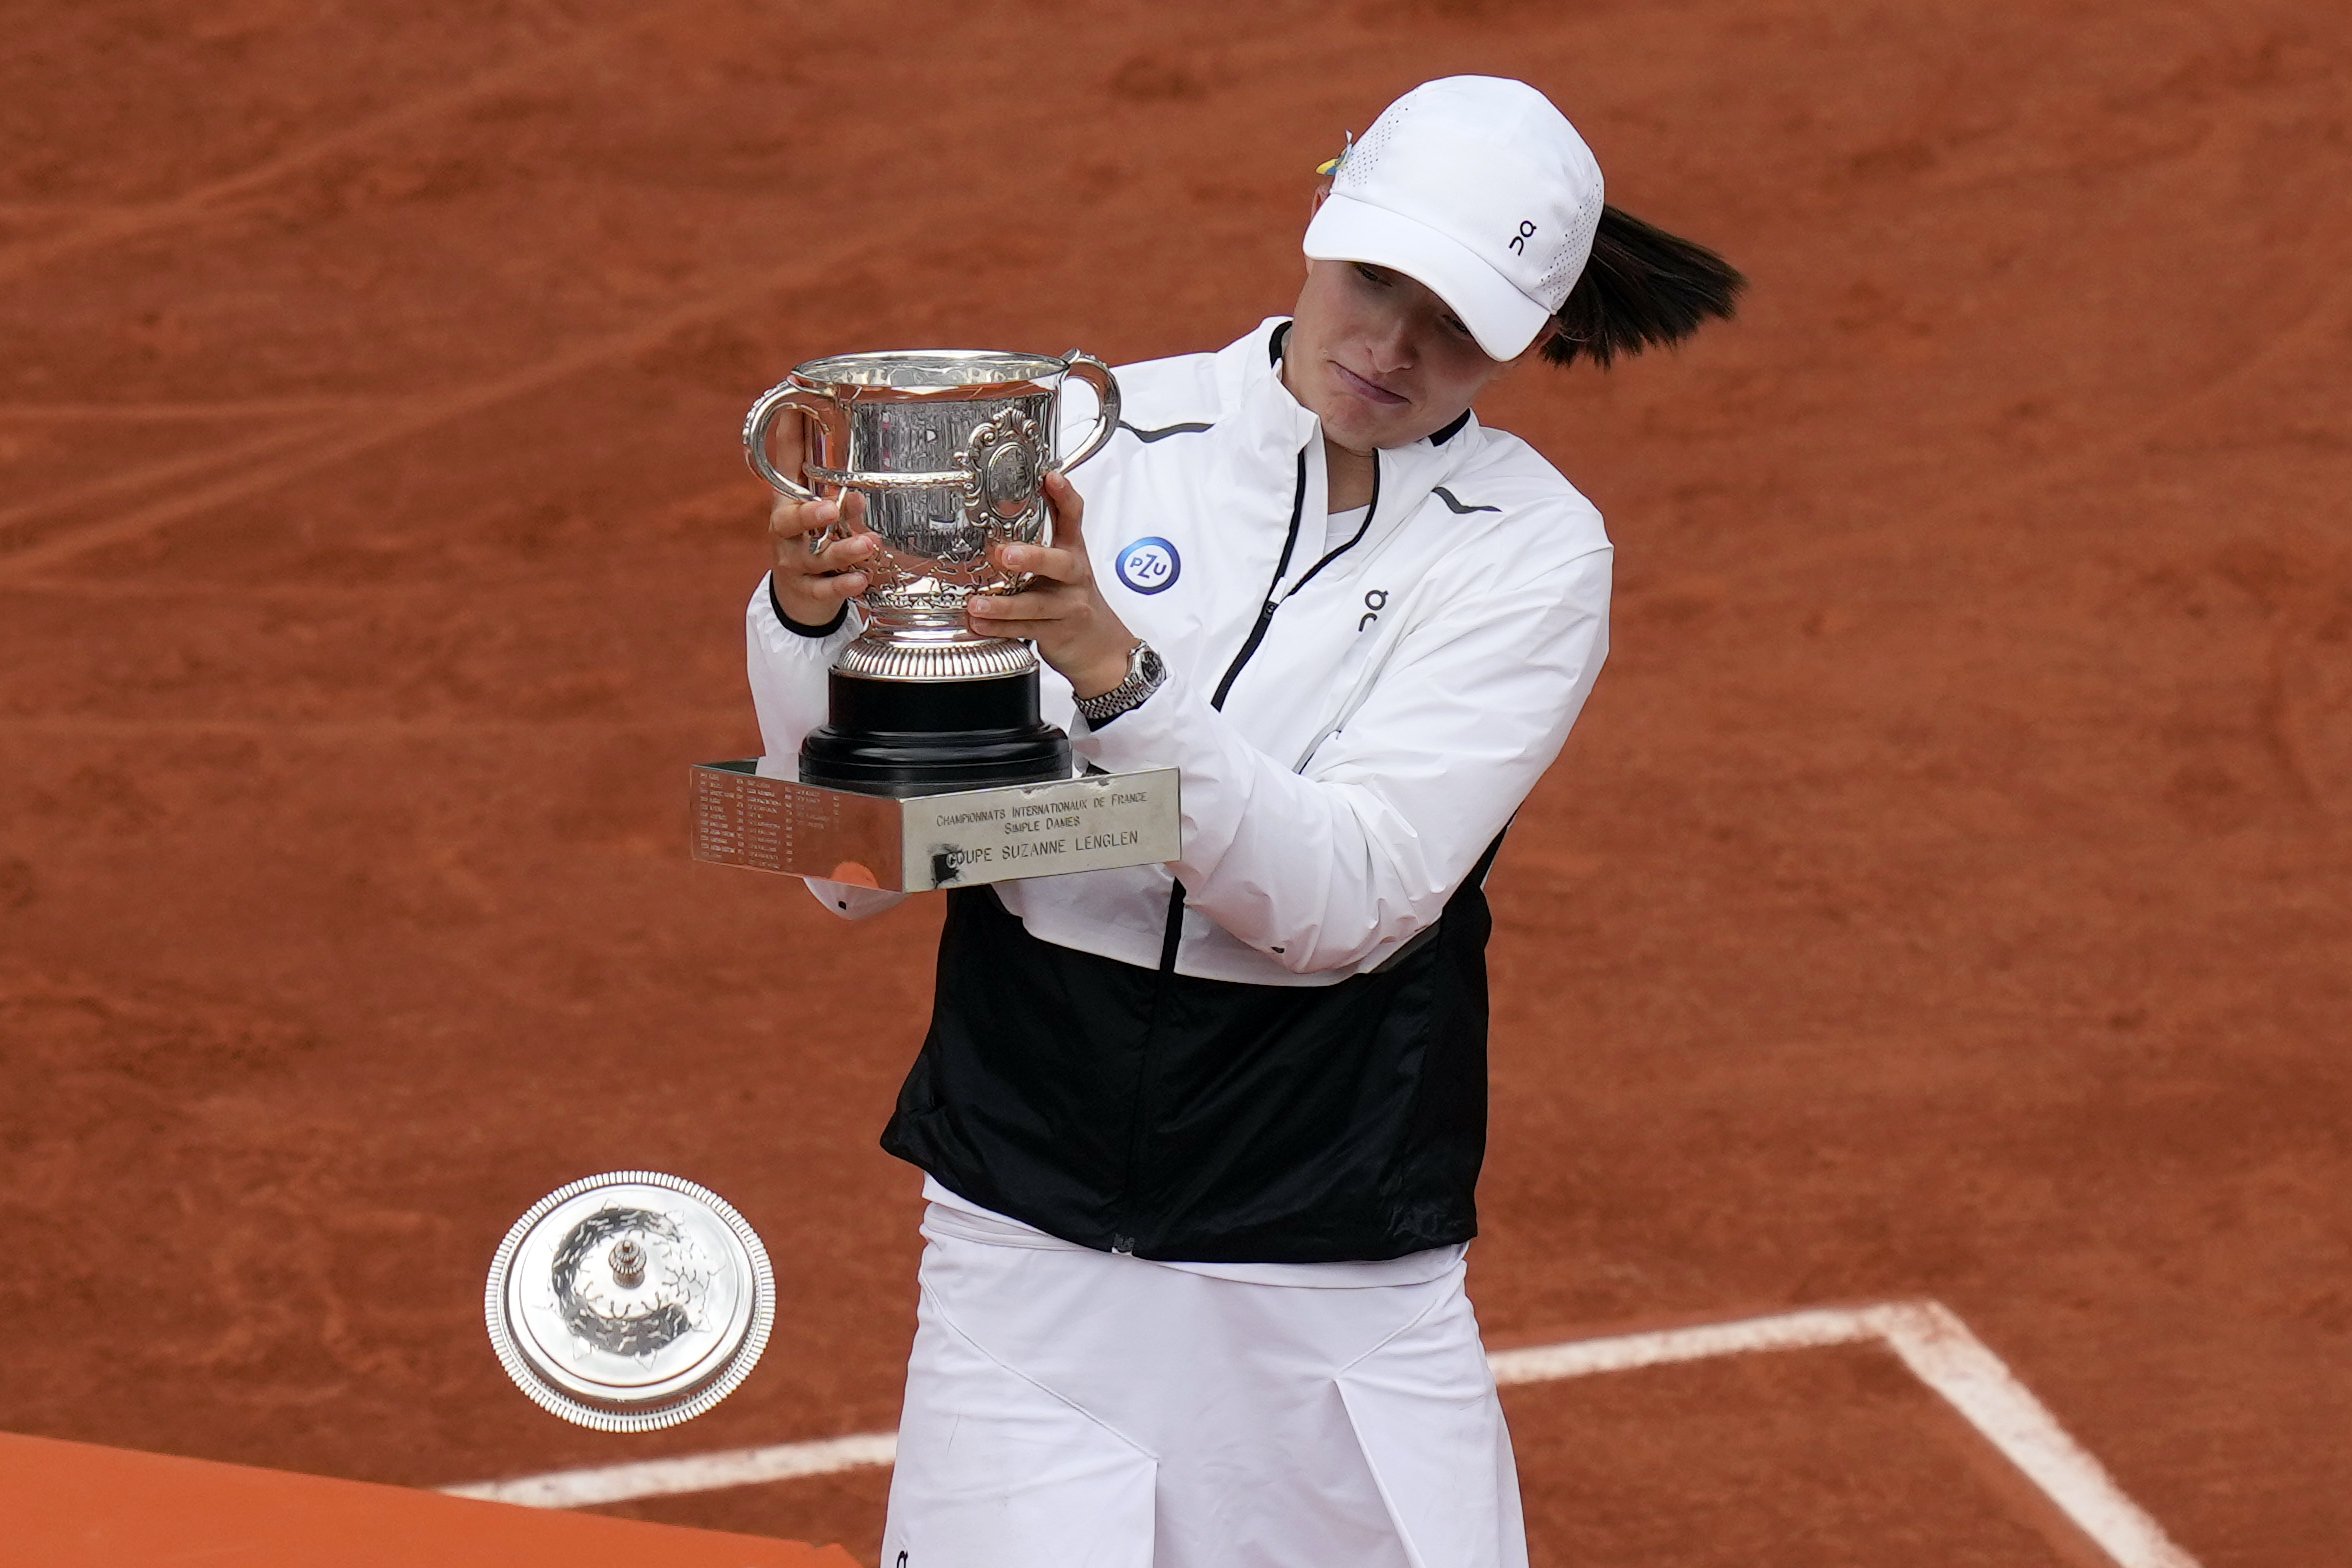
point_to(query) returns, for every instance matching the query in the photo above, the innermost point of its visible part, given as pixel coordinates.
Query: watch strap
(1145, 672)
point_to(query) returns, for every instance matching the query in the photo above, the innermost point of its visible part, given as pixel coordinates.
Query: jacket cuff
(791, 625)
(1150, 738)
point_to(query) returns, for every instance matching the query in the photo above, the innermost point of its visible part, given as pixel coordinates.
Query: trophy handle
(763, 413)
(1097, 375)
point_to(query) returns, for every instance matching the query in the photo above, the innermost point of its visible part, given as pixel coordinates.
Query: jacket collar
(1261, 425)
(1266, 428)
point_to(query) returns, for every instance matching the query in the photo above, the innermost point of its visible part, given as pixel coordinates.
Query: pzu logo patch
(1150, 565)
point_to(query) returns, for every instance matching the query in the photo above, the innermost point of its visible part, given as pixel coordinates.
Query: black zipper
(1371, 508)
(1172, 932)
(1298, 504)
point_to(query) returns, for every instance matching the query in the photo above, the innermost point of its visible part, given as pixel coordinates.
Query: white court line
(1924, 1335)
(1938, 1348)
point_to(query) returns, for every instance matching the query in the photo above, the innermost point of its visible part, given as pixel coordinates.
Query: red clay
(1946, 893)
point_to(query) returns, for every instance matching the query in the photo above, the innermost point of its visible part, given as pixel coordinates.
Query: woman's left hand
(1062, 610)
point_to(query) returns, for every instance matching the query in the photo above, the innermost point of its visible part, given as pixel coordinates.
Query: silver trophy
(630, 1301)
(938, 453)
(935, 769)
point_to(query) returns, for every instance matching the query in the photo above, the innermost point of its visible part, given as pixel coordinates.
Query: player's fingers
(833, 587)
(1033, 605)
(821, 591)
(841, 555)
(790, 519)
(1038, 560)
(788, 443)
(797, 555)
(1069, 512)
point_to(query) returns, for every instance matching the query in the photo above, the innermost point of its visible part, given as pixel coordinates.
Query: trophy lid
(630, 1301)
(930, 370)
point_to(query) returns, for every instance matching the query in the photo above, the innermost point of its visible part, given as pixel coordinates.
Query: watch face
(1150, 667)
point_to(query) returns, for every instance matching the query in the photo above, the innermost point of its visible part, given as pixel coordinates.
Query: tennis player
(1201, 1140)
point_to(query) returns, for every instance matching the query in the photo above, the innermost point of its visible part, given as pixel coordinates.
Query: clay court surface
(1944, 897)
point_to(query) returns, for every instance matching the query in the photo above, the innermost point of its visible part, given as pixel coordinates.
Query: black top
(1143, 1111)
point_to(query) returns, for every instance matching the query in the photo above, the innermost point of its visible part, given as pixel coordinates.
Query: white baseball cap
(1476, 187)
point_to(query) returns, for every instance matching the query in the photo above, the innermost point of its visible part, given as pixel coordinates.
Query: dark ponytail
(1643, 287)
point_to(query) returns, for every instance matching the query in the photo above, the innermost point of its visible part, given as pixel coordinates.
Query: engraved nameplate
(746, 815)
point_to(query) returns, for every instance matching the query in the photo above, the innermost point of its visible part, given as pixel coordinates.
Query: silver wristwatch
(1145, 672)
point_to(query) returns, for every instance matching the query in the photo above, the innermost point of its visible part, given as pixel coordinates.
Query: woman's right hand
(812, 578)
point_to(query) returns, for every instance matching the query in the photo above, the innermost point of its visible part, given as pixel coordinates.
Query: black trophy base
(906, 738)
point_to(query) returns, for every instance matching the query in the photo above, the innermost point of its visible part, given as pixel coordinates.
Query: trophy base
(756, 814)
(904, 738)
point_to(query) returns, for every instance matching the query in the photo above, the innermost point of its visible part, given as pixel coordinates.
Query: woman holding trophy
(1201, 1139)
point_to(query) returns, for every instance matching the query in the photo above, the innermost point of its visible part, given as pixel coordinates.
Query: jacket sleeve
(1364, 840)
(787, 670)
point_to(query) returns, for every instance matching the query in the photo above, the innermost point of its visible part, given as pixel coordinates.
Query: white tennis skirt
(1068, 1407)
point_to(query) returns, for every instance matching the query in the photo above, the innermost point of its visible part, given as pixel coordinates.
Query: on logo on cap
(1150, 565)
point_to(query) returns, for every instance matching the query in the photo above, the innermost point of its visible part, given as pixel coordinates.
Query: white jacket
(1409, 689)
